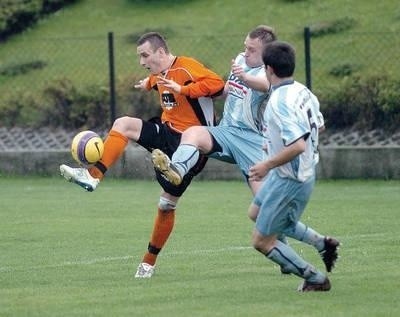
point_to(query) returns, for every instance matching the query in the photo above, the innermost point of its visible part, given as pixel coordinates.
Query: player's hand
(142, 84)
(258, 171)
(238, 71)
(170, 84)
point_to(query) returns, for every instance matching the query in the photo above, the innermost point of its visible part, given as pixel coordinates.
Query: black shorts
(156, 135)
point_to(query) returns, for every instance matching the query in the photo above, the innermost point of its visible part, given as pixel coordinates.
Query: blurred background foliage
(54, 55)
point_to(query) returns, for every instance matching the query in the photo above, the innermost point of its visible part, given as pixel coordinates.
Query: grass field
(64, 252)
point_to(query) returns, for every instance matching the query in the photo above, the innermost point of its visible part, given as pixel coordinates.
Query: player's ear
(161, 51)
(271, 70)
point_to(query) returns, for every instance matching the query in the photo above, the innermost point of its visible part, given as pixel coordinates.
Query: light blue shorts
(282, 202)
(241, 146)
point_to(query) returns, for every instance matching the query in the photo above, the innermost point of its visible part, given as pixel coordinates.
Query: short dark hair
(155, 39)
(265, 33)
(281, 56)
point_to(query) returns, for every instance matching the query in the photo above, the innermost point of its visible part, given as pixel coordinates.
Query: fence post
(112, 76)
(307, 54)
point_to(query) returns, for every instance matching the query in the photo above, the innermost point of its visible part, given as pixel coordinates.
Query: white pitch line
(6, 269)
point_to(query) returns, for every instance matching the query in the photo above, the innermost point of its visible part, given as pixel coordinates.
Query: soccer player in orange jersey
(186, 89)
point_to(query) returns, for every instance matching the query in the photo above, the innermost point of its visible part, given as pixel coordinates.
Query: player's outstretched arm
(254, 82)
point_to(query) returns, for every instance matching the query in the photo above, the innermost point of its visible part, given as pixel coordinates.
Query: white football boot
(145, 270)
(79, 176)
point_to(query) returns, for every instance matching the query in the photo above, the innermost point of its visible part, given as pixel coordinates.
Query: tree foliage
(17, 15)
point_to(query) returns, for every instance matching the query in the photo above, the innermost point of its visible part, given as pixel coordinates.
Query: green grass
(65, 252)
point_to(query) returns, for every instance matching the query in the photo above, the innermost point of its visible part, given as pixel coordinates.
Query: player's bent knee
(166, 204)
(192, 134)
(119, 123)
(199, 137)
(128, 126)
(253, 212)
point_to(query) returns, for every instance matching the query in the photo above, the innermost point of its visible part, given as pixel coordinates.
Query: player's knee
(199, 137)
(166, 204)
(191, 135)
(128, 126)
(120, 123)
(253, 212)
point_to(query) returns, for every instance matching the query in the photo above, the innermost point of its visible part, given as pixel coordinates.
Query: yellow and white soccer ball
(87, 147)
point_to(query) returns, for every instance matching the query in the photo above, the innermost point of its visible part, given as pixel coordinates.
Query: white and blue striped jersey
(293, 112)
(242, 104)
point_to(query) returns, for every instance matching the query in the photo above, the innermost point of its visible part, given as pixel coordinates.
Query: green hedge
(18, 15)
(363, 103)
(62, 104)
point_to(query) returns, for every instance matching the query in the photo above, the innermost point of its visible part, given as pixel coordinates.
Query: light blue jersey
(242, 104)
(293, 112)
(239, 132)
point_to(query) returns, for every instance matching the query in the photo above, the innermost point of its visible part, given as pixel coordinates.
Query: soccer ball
(87, 147)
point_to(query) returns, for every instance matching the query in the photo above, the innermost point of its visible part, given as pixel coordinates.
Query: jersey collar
(283, 83)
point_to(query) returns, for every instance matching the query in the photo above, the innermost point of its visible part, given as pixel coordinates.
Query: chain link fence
(32, 65)
(356, 54)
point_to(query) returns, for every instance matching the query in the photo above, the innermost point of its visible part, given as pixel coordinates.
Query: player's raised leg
(114, 146)
(194, 141)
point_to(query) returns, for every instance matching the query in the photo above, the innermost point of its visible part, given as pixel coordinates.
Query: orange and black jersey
(194, 105)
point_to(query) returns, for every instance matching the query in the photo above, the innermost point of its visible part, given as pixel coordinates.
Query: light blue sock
(291, 262)
(305, 234)
(185, 157)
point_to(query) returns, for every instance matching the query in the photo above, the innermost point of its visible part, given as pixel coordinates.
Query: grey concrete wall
(360, 162)
(336, 162)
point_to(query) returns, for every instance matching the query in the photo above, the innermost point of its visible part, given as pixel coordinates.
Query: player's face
(150, 59)
(253, 52)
